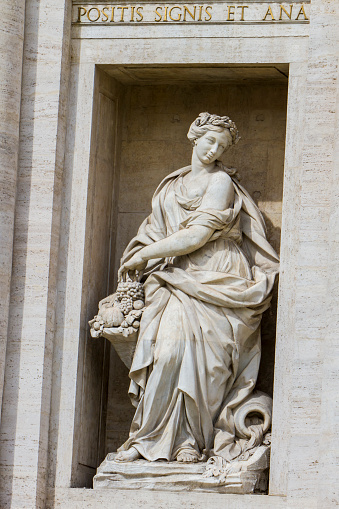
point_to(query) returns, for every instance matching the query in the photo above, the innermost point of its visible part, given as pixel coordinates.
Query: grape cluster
(130, 295)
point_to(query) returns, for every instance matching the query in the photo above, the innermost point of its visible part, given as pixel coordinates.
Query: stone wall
(306, 418)
(26, 401)
(11, 51)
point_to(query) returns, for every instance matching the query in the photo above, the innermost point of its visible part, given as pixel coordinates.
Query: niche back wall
(155, 123)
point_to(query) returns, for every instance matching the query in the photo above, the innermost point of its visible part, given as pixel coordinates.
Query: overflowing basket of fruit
(118, 318)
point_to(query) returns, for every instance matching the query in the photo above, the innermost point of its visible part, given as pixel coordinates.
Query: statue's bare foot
(131, 455)
(187, 457)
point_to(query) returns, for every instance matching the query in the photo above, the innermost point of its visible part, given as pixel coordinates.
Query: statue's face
(211, 145)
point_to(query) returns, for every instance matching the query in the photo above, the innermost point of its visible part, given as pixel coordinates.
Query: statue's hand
(136, 263)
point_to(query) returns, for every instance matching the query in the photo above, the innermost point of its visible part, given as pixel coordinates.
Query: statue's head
(211, 135)
(207, 122)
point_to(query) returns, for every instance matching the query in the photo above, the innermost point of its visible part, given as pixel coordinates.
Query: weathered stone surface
(27, 390)
(11, 53)
(73, 498)
(304, 447)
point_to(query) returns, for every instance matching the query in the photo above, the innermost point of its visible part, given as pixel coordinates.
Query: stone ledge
(81, 498)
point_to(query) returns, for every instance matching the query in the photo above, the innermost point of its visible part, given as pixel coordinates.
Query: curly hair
(207, 122)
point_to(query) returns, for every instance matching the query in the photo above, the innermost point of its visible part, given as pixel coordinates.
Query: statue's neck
(198, 167)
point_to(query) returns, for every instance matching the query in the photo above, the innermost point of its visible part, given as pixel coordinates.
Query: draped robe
(198, 350)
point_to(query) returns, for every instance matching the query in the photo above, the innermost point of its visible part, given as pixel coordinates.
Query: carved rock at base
(246, 477)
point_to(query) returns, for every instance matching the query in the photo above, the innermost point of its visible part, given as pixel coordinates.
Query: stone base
(174, 476)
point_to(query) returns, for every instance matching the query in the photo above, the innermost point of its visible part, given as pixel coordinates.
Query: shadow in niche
(120, 410)
(9, 415)
(268, 324)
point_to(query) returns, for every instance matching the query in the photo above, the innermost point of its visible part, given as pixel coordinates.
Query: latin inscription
(182, 13)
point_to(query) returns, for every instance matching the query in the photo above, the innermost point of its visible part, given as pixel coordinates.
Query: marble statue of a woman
(208, 271)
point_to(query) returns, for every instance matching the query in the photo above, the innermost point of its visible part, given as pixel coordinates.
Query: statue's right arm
(219, 196)
(179, 243)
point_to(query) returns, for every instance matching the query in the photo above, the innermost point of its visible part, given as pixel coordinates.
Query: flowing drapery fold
(198, 351)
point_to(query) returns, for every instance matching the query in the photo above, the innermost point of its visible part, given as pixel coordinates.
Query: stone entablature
(215, 12)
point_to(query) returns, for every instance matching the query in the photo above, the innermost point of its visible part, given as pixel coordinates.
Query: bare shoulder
(220, 191)
(220, 177)
(222, 182)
